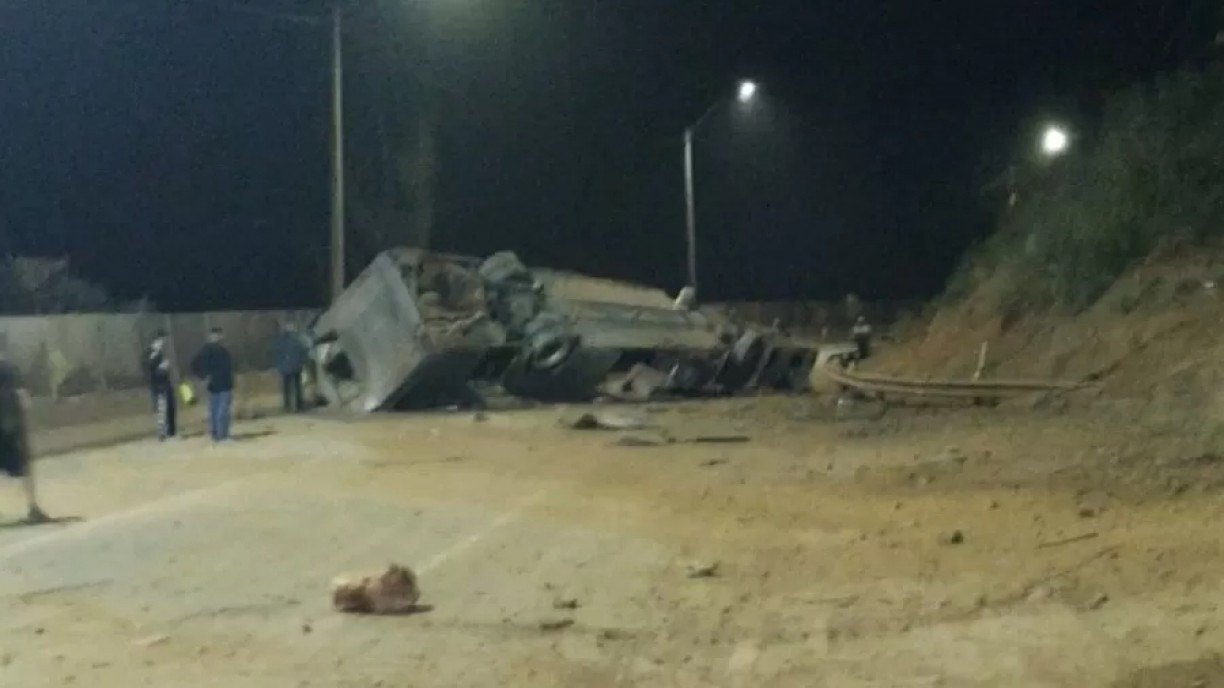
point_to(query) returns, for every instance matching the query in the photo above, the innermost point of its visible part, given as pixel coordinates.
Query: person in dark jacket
(214, 365)
(861, 334)
(14, 442)
(161, 387)
(291, 354)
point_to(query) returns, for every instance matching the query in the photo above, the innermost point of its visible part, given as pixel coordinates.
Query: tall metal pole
(690, 209)
(337, 209)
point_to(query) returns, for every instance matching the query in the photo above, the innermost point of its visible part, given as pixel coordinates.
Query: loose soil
(1015, 546)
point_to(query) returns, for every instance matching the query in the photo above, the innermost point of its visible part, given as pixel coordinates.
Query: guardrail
(880, 385)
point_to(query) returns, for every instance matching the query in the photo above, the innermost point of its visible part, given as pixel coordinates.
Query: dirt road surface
(928, 548)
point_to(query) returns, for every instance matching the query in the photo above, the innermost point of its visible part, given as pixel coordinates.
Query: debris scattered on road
(713, 462)
(951, 455)
(956, 537)
(395, 591)
(720, 439)
(1098, 601)
(153, 640)
(615, 634)
(567, 603)
(1040, 593)
(704, 570)
(556, 624)
(307, 628)
(1087, 512)
(607, 421)
(1069, 540)
(639, 441)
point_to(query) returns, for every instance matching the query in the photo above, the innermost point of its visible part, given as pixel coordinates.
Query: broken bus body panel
(417, 329)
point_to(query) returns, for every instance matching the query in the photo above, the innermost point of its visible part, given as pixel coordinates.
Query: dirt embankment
(1154, 335)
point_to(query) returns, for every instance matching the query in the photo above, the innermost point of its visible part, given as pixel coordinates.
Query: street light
(746, 93)
(1054, 141)
(747, 90)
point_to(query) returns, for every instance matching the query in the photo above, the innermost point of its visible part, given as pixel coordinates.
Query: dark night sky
(179, 149)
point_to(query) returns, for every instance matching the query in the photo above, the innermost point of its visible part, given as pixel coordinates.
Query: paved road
(101, 420)
(201, 566)
(210, 566)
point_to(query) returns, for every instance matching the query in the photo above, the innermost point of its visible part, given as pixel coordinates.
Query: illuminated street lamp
(746, 92)
(1054, 141)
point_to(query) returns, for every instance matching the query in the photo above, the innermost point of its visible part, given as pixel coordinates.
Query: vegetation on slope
(1153, 171)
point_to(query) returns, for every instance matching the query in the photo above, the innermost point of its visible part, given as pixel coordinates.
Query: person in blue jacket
(291, 356)
(215, 366)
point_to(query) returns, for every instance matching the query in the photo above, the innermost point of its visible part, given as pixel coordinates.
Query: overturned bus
(419, 329)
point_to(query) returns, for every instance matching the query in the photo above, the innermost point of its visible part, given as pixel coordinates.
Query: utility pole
(690, 209)
(337, 209)
(337, 134)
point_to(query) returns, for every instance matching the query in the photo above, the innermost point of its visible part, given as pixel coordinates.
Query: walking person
(861, 334)
(14, 438)
(161, 387)
(215, 366)
(291, 354)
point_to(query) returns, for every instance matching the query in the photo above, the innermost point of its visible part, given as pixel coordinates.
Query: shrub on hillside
(1155, 169)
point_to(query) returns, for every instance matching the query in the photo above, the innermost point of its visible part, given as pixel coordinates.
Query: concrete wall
(69, 355)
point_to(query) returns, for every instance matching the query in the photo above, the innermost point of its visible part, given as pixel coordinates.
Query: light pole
(745, 93)
(337, 190)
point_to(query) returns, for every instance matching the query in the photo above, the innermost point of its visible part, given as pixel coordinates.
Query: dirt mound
(1154, 332)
